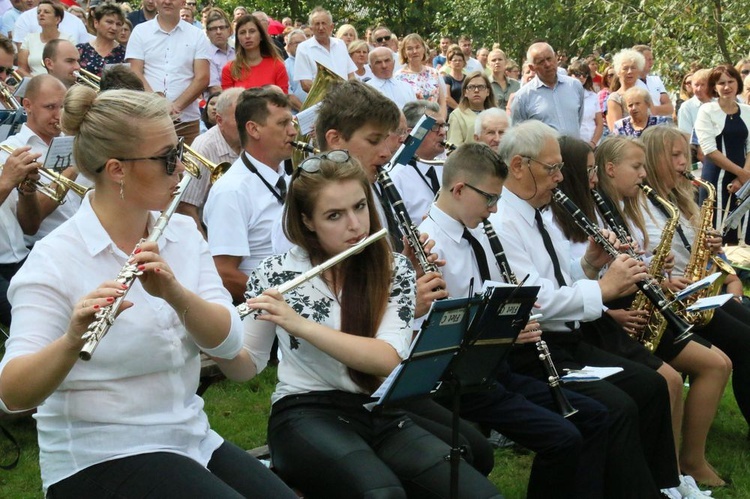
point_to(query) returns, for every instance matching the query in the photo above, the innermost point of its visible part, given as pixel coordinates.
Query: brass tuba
(324, 80)
(701, 259)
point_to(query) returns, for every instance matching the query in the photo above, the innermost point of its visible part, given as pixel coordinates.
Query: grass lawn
(239, 413)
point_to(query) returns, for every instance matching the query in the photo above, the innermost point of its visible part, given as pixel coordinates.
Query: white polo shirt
(240, 212)
(27, 23)
(168, 58)
(336, 59)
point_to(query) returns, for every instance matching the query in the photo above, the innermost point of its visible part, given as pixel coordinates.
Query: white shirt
(168, 58)
(368, 74)
(219, 59)
(9, 20)
(12, 246)
(294, 86)
(473, 65)
(588, 120)
(414, 186)
(240, 212)
(26, 137)
(212, 146)
(27, 23)
(461, 263)
(137, 393)
(304, 368)
(687, 114)
(655, 87)
(398, 91)
(311, 51)
(516, 227)
(655, 222)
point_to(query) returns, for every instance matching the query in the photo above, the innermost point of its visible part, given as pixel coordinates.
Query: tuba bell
(324, 80)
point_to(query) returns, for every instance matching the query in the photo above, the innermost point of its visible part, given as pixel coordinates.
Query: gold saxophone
(651, 334)
(701, 258)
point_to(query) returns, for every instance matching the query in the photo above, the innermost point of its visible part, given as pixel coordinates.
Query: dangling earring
(122, 190)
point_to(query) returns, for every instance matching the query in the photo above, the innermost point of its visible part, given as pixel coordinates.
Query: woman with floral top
(104, 49)
(340, 333)
(415, 71)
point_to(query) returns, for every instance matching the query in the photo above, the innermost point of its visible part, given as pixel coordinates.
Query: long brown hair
(366, 277)
(267, 48)
(575, 185)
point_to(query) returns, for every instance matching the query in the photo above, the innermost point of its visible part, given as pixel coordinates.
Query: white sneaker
(672, 493)
(690, 490)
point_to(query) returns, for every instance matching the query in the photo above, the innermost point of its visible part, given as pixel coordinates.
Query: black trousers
(7, 271)
(231, 473)
(730, 331)
(640, 455)
(330, 446)
(570, 453)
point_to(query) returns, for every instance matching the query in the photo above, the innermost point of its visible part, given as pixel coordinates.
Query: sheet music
(590, 373)
(697, 286)
(306, 119)
(710, 302)
(60, 154)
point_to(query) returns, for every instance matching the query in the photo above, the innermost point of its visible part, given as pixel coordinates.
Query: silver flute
(244, 310)
(105, 317)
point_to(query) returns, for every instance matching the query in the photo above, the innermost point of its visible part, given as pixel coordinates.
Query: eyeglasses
(191, 4)
(579, 75)
(551, 169)
(440, 126)
(476, 88)
(217, 28)
(7, 70)
(170, 159)
(383, 39)
(492, 199)
(312, 164)
(591, 170)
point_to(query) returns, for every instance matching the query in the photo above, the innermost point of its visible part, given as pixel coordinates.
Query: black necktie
(479, 255)
(281, 186)
(432, 175)
(393, 229)
(550, 248)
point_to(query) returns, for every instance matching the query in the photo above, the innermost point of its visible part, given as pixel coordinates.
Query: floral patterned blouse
(426, 84)
(624, 126)
(92, 62)
(304, 368)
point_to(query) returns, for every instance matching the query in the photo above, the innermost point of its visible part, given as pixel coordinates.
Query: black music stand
(459, 350)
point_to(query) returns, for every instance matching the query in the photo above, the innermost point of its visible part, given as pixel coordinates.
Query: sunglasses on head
(312, 164)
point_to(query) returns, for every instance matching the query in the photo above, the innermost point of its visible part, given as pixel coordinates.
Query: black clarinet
(650, 290)
(553, 378)
(609, 217)
(404, 221)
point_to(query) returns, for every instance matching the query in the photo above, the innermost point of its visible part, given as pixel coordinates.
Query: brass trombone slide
(87, 78)
(57, 194)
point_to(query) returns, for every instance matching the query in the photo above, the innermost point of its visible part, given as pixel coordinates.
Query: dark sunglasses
(170, 159)
(383, 39)
(312, 164)
(7, 70)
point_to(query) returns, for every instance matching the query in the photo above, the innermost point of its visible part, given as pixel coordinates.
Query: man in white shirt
(662, 105)
(323, 48)
(43, 104)
(171, 57)
(220, 144)
(381, 64)
(689, 109)
(10, 16)
(419, 182)
(61, 58)
(246, 201)
(27, 23)
(218, 30)
(19, 215)
(383, 37)
(570, 292)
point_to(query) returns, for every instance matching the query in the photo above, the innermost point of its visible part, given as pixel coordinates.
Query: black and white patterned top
(304, 368)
